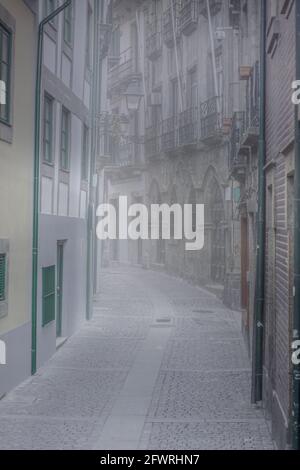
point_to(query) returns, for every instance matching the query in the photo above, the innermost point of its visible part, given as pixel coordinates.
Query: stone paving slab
(207, 436)
(162, 365)
(204, 354)
(193, 395)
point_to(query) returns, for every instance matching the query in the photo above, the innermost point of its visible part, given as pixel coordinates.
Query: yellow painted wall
(16, 170)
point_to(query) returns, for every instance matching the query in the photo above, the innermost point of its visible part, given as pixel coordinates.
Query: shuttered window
(2, 276)
(49, 297)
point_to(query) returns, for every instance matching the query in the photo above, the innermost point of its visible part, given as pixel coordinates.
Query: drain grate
(163, 321)
(204, 312)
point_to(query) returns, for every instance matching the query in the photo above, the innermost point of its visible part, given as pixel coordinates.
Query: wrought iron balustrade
(215, 7)
(211, 119)
(122, 72)
(169, 27)
(188, 126)
(188, 16)
(154, 40)
(153, 141)
(170, 134)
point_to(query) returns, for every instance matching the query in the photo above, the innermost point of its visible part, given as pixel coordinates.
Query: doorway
(59, 287)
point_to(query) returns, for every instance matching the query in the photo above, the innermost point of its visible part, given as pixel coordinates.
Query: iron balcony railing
(154, 40)
(215, 7)
(188, 126)
(168, 29)
(211, 124)
(124, 70)
(237, 160)
(188, 16)
(105, 38)
(153, 145)
(180, 130)
(170, 134)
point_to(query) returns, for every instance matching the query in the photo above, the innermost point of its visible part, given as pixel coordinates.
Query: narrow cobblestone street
(162, 365)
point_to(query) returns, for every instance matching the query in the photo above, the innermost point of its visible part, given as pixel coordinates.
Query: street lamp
(133, 96)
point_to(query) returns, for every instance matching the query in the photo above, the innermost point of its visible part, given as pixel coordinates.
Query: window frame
(89, 39)
(48, 100)
(7, 121)
(64, 164)
(85, 156)
(69, 22)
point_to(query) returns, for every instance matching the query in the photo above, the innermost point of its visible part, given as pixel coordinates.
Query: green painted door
(59, 287)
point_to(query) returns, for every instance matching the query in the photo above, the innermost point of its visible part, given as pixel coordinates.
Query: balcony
(238, 158)
(123, 72)
(104, 40)
(168, 28)
(211, 122)
(170, 134)
(153, 141)
(154, 40)
(188, 16)
(215, 7)
(235, 9)
(188, 127)
(251, 119)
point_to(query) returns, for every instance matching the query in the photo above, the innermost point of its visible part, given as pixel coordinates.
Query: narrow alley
(162, 365)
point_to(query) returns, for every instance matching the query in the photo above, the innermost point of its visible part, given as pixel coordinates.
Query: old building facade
(17, 74)
(65, 173)
(184, 118)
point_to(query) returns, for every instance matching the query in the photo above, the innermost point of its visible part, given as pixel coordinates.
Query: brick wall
(279, 137)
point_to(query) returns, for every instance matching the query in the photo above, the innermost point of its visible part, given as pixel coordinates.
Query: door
(245, 268)
(59, 287)
(218, 235)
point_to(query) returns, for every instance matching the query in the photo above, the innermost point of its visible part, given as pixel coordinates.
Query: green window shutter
(49, 295)
(2, 276)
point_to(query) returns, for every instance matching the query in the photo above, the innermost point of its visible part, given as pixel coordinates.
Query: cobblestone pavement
(162, 365)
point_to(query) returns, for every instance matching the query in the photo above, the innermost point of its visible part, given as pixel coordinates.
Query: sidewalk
(162, 365)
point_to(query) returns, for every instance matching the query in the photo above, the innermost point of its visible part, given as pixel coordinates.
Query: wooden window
(48, 129)
(68, 25)
(65, 141)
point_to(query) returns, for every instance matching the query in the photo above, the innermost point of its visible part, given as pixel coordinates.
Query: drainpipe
(295, 418)
(258, 323)
(36, 181)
